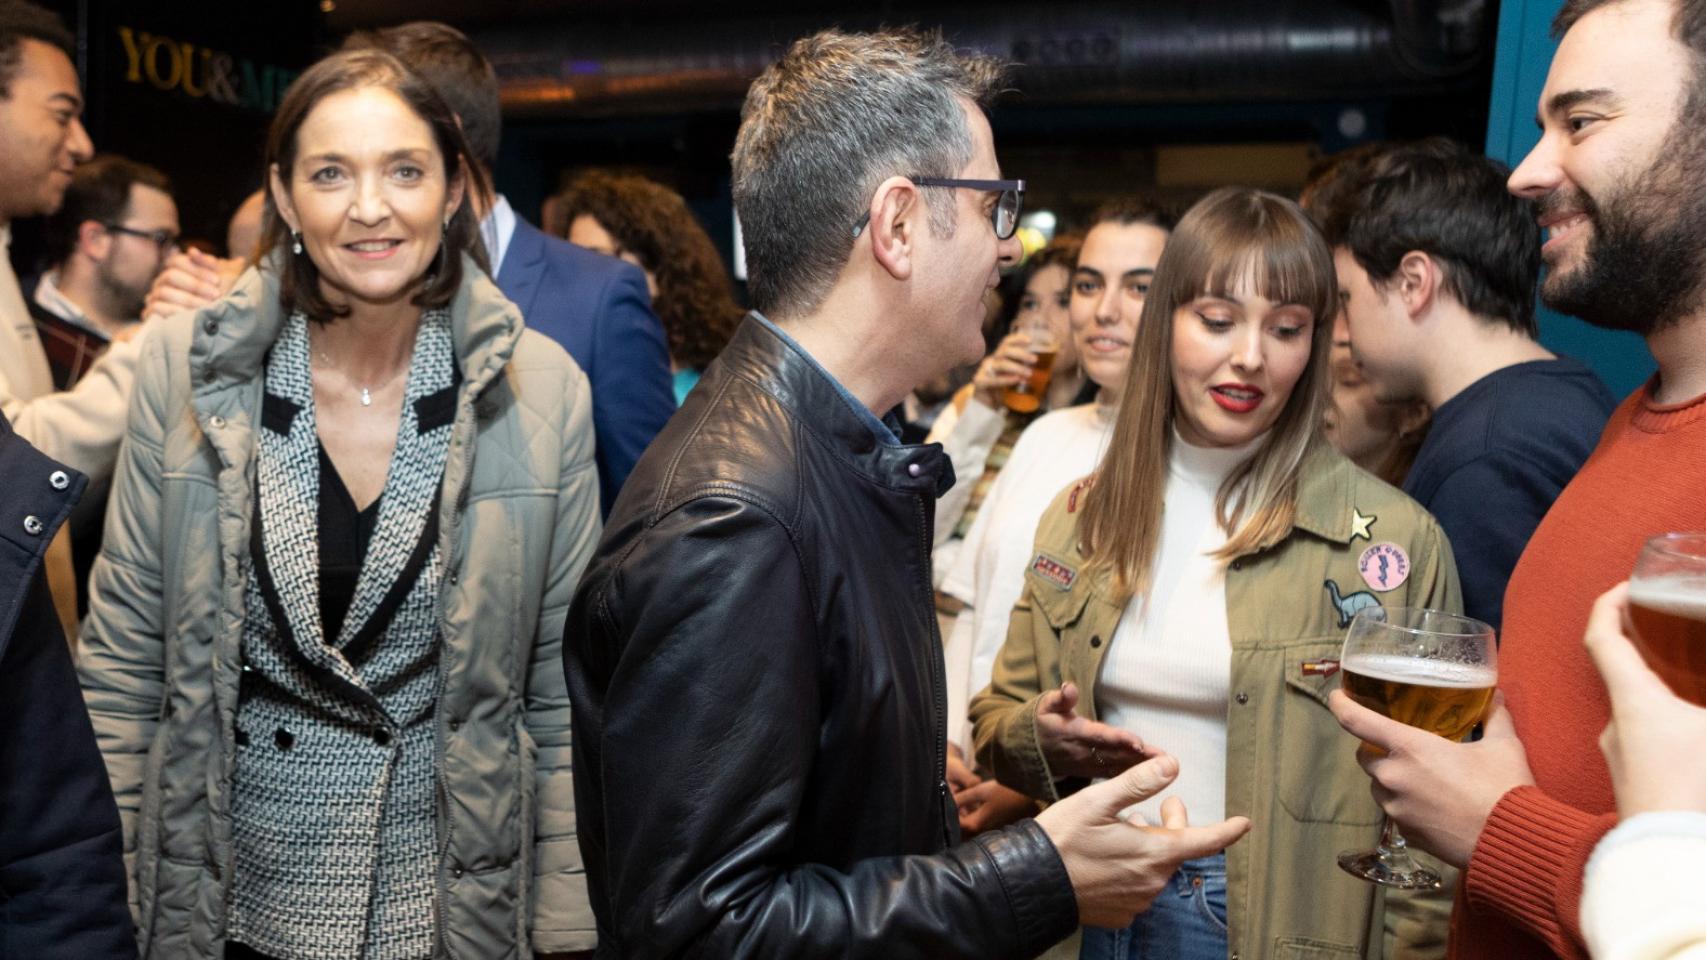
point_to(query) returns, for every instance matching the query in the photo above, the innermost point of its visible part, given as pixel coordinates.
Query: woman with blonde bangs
(1190, 598)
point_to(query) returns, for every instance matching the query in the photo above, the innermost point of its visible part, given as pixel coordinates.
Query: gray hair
(835, 116)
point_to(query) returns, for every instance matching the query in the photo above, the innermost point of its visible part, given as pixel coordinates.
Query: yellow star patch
(1360, 525)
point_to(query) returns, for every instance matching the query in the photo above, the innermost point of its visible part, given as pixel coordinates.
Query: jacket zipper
(938, 684)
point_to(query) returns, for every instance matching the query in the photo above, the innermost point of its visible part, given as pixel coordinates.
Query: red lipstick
(1237, 397)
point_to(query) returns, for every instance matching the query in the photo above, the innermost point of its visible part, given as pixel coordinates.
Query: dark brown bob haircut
(299, 277)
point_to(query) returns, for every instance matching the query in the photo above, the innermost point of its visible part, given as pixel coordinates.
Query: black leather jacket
(758, 697)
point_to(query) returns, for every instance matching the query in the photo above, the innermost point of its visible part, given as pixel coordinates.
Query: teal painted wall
(1524, 52)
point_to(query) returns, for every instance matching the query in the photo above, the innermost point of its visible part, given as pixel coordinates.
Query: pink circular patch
(1384, 566)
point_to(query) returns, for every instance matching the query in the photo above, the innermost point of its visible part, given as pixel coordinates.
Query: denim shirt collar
(879, 429)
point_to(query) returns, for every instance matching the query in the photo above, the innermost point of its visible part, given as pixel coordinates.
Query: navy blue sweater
(62, 882)
(1496, 457)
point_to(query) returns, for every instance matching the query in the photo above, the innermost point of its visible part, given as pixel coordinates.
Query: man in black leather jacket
(752, 654)
(62, 882)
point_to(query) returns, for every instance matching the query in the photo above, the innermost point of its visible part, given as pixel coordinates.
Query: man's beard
(122, 300)
(1645, 263)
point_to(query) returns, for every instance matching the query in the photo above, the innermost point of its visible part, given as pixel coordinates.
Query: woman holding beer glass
(322, 654)
(1110, 279)
(1013, 386)
(1191, 597)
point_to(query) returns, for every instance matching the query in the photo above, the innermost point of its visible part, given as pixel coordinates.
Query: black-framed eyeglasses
(164, 239)
(1004, 218)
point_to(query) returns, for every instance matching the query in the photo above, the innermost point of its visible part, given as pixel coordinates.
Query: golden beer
(1026, 395)
(1443, 698)
(1668, 620)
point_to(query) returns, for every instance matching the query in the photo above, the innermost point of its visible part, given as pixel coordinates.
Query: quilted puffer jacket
(161, 657)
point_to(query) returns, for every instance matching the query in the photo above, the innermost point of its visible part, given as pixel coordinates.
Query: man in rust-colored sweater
(1618, 186)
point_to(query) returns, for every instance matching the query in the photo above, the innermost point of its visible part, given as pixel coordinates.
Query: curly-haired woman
(649, 225)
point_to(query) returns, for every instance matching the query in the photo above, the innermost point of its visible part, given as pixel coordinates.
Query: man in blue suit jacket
(597, 307)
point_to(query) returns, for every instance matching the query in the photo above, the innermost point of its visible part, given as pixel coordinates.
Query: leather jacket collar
(784, 371)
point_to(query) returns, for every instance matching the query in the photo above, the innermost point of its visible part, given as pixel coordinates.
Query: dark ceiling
(355, 14)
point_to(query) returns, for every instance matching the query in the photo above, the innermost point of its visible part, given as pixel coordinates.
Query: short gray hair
(821, 127)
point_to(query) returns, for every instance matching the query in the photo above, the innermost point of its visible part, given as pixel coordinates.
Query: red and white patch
(1054, 571)
(1384, 566)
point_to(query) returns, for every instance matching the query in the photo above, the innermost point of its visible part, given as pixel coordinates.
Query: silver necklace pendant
(366, 398)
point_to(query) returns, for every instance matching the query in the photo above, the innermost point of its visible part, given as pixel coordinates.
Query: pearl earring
(296, 243)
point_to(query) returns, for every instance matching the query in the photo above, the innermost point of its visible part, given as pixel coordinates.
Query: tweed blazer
(518, 519)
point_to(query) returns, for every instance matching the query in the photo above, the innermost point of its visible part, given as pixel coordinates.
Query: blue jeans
(1187, 921)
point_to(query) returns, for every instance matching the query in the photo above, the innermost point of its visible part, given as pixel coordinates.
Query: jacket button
(208, 376)
(33, 525)
(210, 325)
(1242, 698)
(914, 469)
(58, 480)
(1096, 641)
(456, 872)
(284, 738)
(382, 736)
(455, 725)
(216, 421)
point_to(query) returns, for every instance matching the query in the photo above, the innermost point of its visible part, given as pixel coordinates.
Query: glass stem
(1394, 851)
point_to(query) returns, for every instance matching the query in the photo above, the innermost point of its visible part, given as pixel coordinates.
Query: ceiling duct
(1095, 52)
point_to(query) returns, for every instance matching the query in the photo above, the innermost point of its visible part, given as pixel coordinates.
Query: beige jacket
(1289, 767)
(80, 427)
(161, 657)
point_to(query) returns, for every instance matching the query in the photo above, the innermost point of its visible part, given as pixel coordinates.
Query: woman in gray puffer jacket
(322, 650)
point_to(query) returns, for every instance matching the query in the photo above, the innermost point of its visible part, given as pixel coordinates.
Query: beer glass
(1426, 668)
(1027, 395)
(1667, 611)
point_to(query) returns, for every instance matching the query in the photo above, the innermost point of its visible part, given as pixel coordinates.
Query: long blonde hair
(1232, 236)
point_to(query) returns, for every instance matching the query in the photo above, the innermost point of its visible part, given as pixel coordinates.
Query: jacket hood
(232, 335)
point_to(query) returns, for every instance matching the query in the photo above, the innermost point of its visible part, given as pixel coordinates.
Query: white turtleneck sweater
(1166, 673)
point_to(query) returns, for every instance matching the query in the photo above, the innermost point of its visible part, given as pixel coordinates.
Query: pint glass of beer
(1426, 668)
(1667, 611)
(1027, 395)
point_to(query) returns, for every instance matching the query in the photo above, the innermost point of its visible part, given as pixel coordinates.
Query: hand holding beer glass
(1667, 611)
(1026, 395)
(1428, 669)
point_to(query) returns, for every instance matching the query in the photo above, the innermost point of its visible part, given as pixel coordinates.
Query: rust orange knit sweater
(1520, 896)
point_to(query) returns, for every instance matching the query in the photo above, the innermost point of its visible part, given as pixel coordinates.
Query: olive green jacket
(161, 657)
(1289, 767)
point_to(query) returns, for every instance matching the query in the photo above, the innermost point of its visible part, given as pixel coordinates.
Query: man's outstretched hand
(1118, 867)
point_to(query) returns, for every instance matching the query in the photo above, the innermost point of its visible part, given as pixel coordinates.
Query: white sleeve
(966, 436)
(80, 427)
(1644, 897)
(957, 652)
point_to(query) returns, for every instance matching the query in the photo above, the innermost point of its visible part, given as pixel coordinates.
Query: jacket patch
(1319, 668)
(1054, 571)
(1361, 525)
(1384, 566)
(1348, 607)
(1078, 488)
